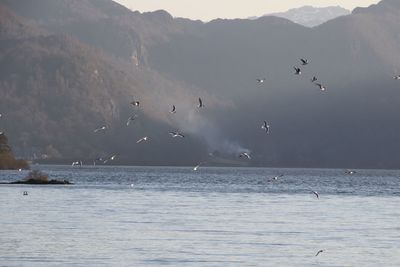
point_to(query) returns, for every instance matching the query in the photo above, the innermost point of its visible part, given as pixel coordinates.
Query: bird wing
(200, 102)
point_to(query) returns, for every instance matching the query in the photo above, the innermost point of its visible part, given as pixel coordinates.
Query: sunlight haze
(207, 9)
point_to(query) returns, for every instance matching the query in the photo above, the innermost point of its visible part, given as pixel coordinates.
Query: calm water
(137, 216)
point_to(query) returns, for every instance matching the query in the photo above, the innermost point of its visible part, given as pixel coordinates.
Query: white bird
(142, 139)
(245, 155)
(351, 172)
(396, 77)
(262, 80)
(110, 158)
(277, 177)
(265, 126)
(135, 103)
(131, 118)
(314, 79)
(315, 193)
(198, 166)
(321, 87)
(200, 103)
(103, 128)
(77, 163)
(173, 109)
(319, 252)
(176, 134)
(304, 61)
(298, 71)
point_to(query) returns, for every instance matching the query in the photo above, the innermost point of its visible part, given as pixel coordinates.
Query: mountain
(312, 16)
(7, 159)
(63, 74)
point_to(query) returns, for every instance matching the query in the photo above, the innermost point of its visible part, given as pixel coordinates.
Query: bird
(321, 87)
(142, 139)
(265, 126)
(173, 109)
(276, 177)
(200, 103)
(135, 103)
(315, 193)
(314, 79)
(131, 118)
(176, 134)
(25, 193)
(304, 61)
(102, 128)
(319, 252)
(351, 172)
(110, 158)
(262, 80)
(1, 133)
(77, 163)
(397, 77)
(298, 71)
(245, 155)
(198, 166)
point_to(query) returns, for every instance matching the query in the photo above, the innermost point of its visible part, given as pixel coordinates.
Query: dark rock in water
(37, 177)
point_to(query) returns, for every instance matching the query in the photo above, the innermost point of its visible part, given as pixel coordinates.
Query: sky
(207, 10)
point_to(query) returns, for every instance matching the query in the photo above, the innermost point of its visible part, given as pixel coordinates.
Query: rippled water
(137, 216)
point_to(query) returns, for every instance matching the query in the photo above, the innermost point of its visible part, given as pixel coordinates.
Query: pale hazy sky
(210, 9)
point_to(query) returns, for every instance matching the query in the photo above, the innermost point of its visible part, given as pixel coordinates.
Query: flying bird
(176, 134)
(319, 252)
(110, 158)
(77, 163)
(397, 77)
(314, 79)
(315, 193)
(298, 71)
(350, 172)
(321, 87)
(131, 118)
(200, 103)
(262, 80)
(103, 128)
(265, 126)
(276, 177)
(173, 109)
(142, 139)
(198, 166)
(245, 155)
(135, 103)
(304, 61)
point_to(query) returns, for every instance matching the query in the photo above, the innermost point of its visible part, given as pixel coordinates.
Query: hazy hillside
(78, 69)
(312, 16)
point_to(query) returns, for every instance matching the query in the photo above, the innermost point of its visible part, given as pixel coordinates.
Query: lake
(174, 216)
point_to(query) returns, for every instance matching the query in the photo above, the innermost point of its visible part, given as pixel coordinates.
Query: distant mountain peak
(381, 7)
(310, 16)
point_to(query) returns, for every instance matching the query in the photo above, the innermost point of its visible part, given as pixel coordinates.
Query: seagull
(200, 103)
(135, 103)
(319, 252)
(395, 77)
(298, 71)
(142, 139)
(198, 166)
(314, 79)
(245, 155)
(265, 126)
(315, 193)
(131, 118)
(176, 134)
(304, 61)
(351, 172)
(277, 177)
(77, 163)
(110, 158)
(261, 80)
(173, 109)
(321, 87)
(103, 128)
